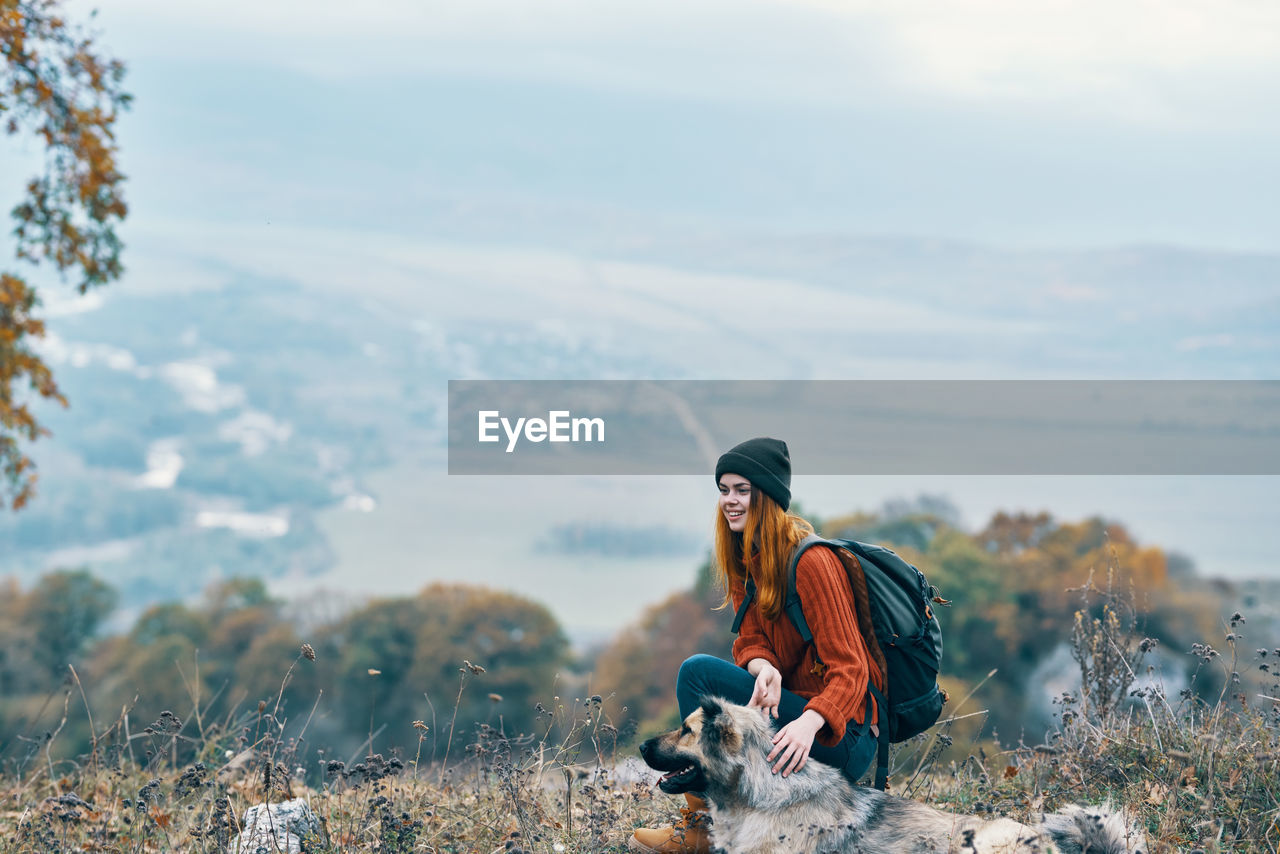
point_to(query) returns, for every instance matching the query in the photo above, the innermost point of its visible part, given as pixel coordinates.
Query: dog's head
(707, 746)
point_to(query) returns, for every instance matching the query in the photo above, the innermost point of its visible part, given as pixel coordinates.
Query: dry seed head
(308, 652)
(373, 672)
(497, 698)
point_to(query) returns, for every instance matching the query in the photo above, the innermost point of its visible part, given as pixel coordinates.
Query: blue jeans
(706, 675)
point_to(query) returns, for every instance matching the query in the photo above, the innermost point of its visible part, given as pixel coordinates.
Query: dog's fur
(722, 749)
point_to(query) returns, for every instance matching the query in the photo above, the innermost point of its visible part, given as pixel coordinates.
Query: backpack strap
(795, 613)
(882, 749)
(862, 606)
(861, 601)
(792, 602)
(742, 609)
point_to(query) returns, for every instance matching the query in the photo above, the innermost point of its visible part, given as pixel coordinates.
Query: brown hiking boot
(690, 835)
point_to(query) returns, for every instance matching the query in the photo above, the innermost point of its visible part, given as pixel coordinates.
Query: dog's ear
(711, 708)
(719, 731)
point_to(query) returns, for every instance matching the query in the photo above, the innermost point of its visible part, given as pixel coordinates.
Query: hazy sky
(1013, 123)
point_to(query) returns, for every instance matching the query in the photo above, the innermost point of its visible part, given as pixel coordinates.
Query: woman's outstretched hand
(793, 742)
(768, 690)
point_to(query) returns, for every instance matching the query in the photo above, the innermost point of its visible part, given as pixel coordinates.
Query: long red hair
(773, 534)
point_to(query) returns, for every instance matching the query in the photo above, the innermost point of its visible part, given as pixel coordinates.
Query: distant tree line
(398, 672)
(1016, 587)
(377, 668)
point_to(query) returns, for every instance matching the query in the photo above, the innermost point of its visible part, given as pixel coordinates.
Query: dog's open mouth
(683, 774)
(683, 780)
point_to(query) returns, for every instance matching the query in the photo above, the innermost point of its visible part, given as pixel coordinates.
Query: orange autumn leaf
(56, 85)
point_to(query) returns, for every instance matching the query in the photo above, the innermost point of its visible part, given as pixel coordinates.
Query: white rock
(277, 828)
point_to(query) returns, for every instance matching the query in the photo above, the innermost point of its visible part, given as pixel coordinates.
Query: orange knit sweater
(837, 689)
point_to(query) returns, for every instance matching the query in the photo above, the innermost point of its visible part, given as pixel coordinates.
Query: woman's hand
(768, 690)
(793, 742)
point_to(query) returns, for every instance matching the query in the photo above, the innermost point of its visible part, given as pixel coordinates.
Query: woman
(817, 691)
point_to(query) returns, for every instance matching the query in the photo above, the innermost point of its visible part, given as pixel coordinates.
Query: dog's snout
(646, 749)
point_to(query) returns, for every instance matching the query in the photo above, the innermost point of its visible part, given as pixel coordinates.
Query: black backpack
(899, 600)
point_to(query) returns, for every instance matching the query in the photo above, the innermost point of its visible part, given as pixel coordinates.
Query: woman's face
(735, 497)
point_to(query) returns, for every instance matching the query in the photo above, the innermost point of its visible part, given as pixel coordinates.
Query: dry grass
(503, 793)
(1199, 775)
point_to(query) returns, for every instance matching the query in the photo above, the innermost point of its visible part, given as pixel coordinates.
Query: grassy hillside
(1082, 665)
(1196, 774)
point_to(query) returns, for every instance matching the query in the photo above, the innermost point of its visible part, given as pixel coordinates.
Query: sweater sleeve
(828, 605)
(751, 641)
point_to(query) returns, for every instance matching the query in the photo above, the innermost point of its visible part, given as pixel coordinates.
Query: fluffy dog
(722, 749)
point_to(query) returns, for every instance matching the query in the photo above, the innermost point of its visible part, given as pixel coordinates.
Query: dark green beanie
(763, 461)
